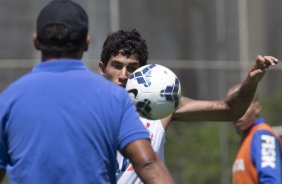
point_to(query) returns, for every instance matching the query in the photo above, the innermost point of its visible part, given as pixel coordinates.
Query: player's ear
(102, 68)
(36, 42)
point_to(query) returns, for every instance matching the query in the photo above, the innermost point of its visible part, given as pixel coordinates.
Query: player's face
(119, 68)
(249, 117)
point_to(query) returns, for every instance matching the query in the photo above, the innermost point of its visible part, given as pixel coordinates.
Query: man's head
(250, 115)
(61, 30)
(123, 52)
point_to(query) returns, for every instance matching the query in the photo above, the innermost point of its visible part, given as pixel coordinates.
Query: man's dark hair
(126, 43)
(58, 41)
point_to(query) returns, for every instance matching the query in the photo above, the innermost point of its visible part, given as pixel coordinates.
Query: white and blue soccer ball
(155, 90)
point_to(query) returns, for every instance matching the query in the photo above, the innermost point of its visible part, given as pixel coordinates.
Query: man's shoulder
(16, 84)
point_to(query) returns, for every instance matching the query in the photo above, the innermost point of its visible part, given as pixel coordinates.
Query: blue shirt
(266, 155)
(62, 123)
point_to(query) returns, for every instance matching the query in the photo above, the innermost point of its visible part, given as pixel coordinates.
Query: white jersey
(125, 172)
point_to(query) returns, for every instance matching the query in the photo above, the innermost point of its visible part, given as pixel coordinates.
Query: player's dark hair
(127, 43)
(58, 41)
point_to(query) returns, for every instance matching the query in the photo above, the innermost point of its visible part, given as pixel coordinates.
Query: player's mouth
(122, 84)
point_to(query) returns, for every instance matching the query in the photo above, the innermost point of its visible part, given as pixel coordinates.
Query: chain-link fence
(209, 44)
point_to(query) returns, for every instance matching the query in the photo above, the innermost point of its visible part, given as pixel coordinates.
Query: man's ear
(86, 43)
(257, 107)
(36, 42)
(102, 68)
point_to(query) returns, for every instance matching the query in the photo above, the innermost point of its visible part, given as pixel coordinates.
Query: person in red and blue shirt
(259, 158)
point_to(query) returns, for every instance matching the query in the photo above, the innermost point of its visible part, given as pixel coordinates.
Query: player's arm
(234, 106)
(146, 163)
(266, 156)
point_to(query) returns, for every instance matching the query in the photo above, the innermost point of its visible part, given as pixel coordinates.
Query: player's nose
(123, 74)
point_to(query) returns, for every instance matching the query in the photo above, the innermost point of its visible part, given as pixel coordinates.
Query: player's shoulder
(154, 125)
(265, 129)
(263, 132)
(149, 120)
(265, 137)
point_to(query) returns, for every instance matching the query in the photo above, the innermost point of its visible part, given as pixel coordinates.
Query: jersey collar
(256, 122)
(59, 65)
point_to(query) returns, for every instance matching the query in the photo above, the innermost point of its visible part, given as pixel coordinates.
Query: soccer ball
(155, 90)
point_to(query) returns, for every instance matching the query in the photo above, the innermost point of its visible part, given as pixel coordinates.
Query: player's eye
(117, 66)
(131, 68)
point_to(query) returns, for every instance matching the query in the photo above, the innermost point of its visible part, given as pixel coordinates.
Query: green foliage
(272, 107)
(193, 153)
